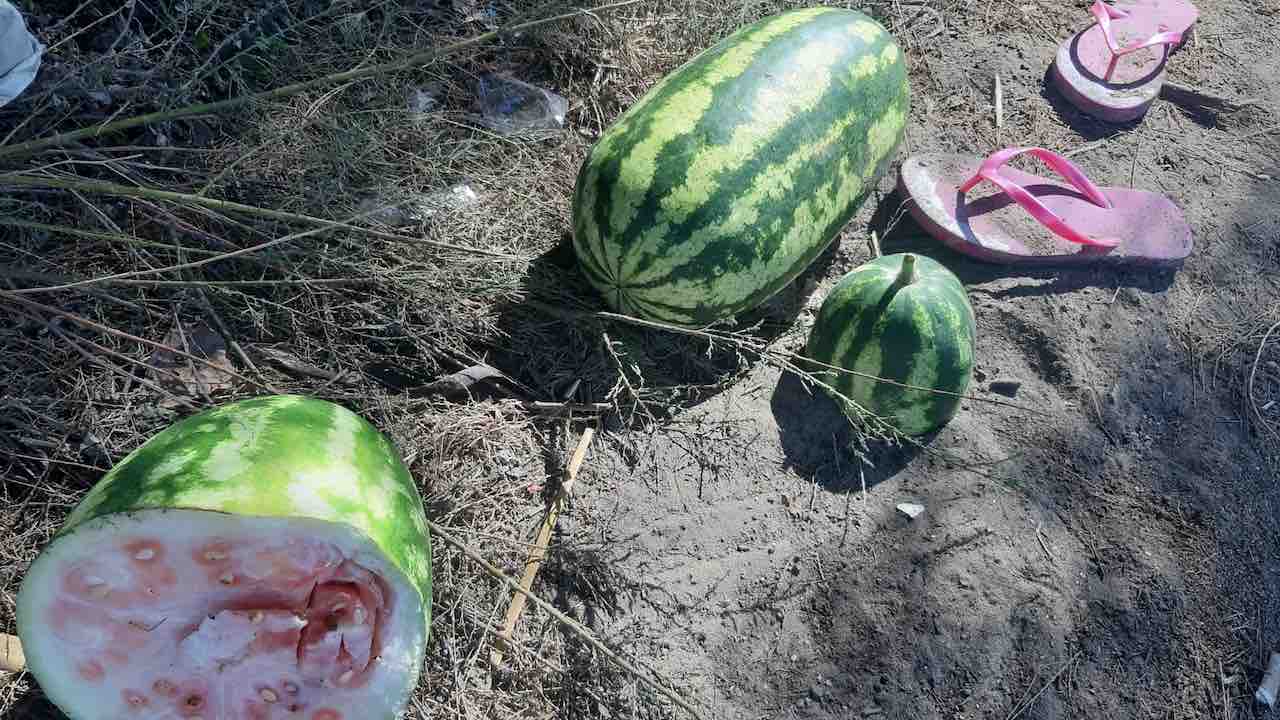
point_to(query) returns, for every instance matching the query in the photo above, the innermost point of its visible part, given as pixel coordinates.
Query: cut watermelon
(265, 559)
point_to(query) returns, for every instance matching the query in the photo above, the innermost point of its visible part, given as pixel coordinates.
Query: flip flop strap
(990, 170)
(1104, 13)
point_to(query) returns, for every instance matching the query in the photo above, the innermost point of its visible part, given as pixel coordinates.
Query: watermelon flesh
(172, 610)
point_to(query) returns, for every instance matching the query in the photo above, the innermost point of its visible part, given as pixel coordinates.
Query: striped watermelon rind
(224, 514)
(728, 178)
(915, 328)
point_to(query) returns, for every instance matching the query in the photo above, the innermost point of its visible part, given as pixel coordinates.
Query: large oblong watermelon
(732, 175)
(268, 558)
(904, 318)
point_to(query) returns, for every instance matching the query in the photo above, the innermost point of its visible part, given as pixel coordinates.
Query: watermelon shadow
(818, 441)
(899, 232)
(558, 351)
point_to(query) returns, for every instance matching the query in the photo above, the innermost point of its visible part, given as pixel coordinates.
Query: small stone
(911, 510)
(744, 548)
(227, 579)
(144, 554)
(255, 616)
(268, 695)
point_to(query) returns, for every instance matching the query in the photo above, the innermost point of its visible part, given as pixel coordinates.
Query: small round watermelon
(904, 318)
(268, 558)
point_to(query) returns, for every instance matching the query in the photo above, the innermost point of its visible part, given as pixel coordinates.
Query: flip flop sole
(1111, 103)
(988, 225)
(1080, 64)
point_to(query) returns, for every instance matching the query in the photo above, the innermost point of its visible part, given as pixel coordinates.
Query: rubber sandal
(1033, 220)
(1114, 68)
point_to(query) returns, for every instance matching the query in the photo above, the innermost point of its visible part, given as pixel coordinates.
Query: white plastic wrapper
(19, 53)
(511, 106)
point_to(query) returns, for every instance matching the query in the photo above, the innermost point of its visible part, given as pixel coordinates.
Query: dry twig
(1253, 373)
(538, 553)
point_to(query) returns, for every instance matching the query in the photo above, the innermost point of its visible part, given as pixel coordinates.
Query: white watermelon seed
(215, 555)
(92, 580)
(144, 554)
(268, 694)
(227, 579)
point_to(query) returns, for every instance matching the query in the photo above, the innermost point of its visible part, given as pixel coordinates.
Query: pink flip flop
(1114, 68)
(1034, 220)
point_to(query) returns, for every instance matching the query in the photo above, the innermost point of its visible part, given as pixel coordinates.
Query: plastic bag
(510, 106)
(19, 53)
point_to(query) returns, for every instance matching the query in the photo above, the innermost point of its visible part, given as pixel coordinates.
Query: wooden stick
(999, 104)
(11, 657)
(538, 553)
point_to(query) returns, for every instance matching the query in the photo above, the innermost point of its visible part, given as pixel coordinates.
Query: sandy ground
(1112, 551)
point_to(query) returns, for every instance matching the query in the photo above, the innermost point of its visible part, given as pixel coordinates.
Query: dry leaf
(461, 381)
(182, 374)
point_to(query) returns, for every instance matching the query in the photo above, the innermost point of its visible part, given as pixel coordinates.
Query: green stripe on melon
(268, 558)
(904, 318)
(731, 176)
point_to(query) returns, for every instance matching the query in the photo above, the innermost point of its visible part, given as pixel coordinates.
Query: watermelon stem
(907, 274)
